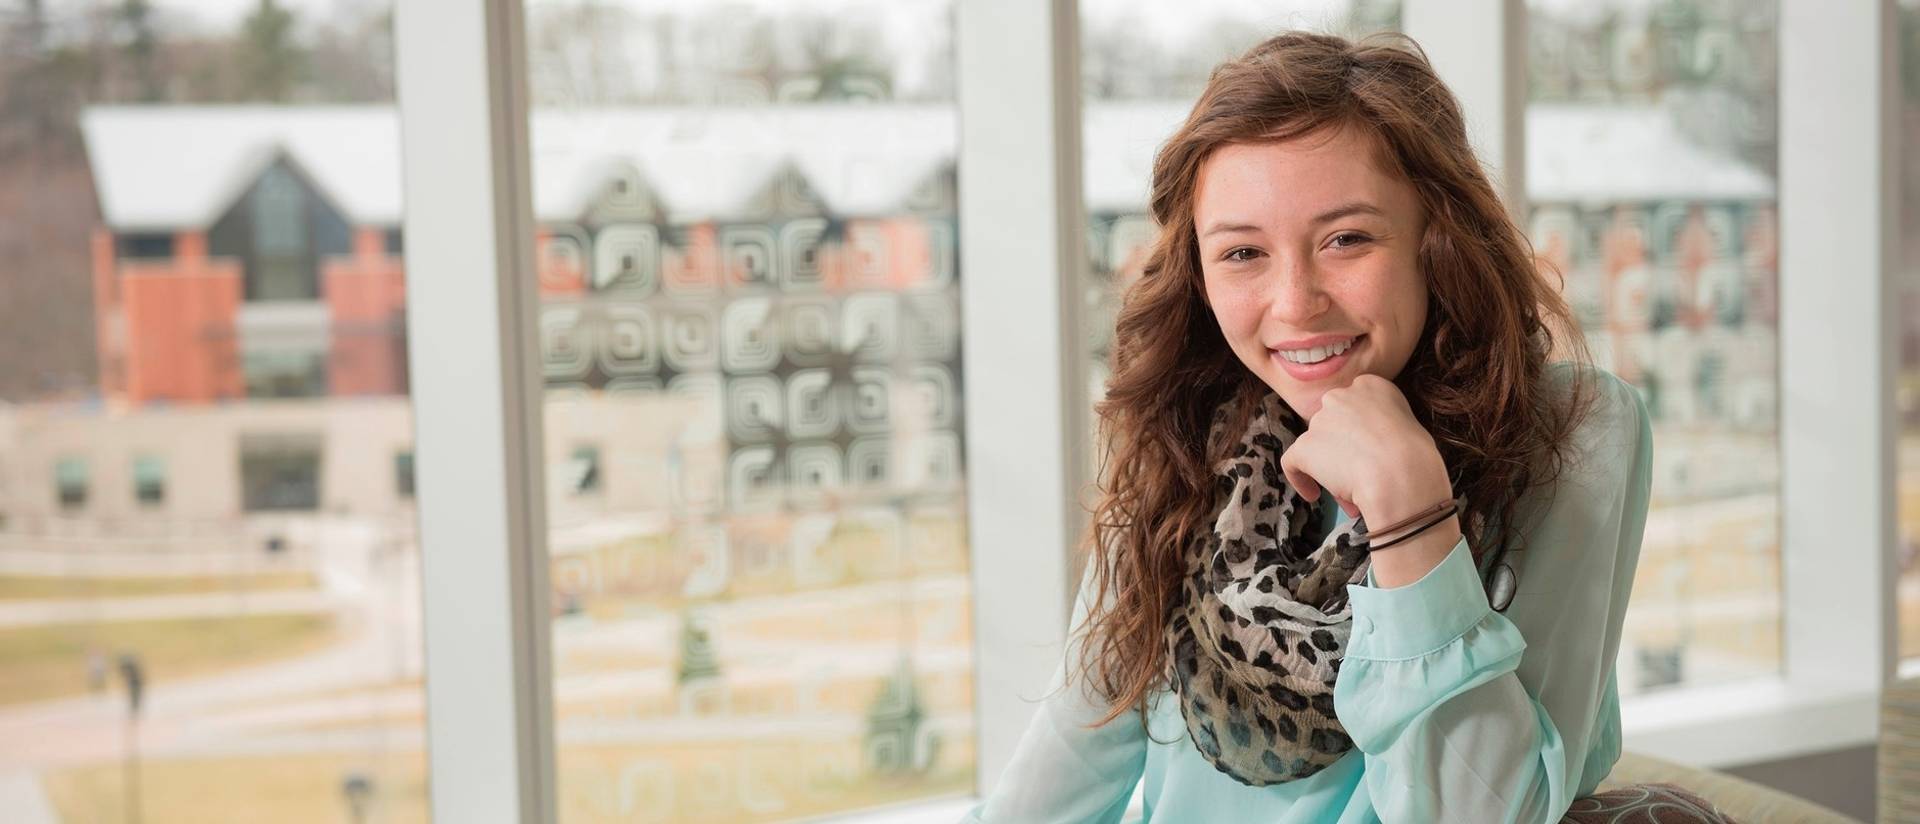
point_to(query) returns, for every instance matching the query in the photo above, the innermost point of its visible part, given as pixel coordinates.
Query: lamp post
(134, 676)
(357, 788)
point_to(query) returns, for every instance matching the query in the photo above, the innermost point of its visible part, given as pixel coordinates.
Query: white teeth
(1316, 354)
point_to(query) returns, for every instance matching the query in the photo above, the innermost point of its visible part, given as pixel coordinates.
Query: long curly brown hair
(1477, 379)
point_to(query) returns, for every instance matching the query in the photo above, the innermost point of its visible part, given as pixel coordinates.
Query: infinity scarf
(1257, 634)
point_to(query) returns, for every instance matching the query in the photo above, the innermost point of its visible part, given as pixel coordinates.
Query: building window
(280, 473)
(583, 470)
(281, 229)
(282, 374)
(150, 480)
(403, 473)
(70, 482)
(395, 245)
(284, 262)
(144, 246)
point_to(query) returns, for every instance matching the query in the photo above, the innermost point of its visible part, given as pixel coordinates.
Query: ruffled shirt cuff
(1414, 620)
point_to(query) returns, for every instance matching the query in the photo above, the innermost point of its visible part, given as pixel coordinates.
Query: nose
(1294, 294)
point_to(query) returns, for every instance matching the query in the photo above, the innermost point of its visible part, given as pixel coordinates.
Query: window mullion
(476, 387)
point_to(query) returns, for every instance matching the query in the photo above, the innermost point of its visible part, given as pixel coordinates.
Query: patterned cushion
(1644, 804)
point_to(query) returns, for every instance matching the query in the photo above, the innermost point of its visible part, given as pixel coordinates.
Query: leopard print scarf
(1256, 637)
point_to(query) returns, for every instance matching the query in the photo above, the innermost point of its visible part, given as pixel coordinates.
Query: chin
(1303, 403)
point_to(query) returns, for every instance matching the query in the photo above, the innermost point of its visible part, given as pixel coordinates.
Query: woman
(1339, 326)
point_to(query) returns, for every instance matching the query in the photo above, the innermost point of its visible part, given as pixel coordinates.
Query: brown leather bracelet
(1416, 517)
(1450, 512)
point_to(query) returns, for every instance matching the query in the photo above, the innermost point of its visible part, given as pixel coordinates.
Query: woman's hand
(1365, 448)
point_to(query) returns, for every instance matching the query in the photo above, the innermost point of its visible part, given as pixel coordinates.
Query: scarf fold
(1260, 626)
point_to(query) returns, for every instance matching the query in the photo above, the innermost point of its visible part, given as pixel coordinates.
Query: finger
(1346, 505)
(1299, 480)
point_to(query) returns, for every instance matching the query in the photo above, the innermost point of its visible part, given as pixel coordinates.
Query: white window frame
(477, 394)
(1023, 239)
(477, 391)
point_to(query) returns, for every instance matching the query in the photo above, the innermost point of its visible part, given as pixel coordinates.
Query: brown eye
(1234, 255)
(1348, 240)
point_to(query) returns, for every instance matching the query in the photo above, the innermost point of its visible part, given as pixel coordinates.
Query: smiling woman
(1339, 440)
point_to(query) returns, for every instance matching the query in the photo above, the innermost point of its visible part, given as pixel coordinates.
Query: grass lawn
(51, 661)
(42, 587)
(284, 789)
(723, 782)
(740, 782)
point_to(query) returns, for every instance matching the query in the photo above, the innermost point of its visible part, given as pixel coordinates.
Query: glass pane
(1143, 64)
(281, 374)
(70, 476)
(1907, 388)
(403, 473)
(209, 585)
(1651, 155)
(149, 479)
(750, 331)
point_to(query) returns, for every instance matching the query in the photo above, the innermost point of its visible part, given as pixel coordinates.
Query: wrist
(1409, 561)
(1395, 503)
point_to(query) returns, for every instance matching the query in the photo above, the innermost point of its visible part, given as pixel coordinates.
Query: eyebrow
(1357, 207)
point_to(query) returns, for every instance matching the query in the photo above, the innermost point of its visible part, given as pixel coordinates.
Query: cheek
(1393, 294)
(1235, 310)
(1396, 305)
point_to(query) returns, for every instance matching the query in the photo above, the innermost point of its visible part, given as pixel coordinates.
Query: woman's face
(1309, 251)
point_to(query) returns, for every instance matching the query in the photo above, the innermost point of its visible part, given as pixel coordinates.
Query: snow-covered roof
(707, 162)
(161, 167)
(168, 167)
(1582, 153)
(1575, 153)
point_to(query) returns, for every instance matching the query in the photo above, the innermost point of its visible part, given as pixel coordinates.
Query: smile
(1318, 353)
(1319, 362)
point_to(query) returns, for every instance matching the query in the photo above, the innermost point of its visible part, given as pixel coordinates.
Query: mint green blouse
(1457, 712)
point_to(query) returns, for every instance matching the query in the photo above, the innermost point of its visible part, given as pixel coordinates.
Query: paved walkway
(24, 801)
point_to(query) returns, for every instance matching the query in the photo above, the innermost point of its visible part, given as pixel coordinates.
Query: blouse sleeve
(1470, 715)
(1063, 771)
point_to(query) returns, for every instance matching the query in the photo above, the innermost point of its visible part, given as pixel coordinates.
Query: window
(149, 245)
(280, 473)
(70, 482)
(283, 229)
(403, 473)
(1651, 143)
(182, 185)
(750, 312)
(149, 480)
(747, 261)
(583, 470)
(1907, 387)
(283, 374)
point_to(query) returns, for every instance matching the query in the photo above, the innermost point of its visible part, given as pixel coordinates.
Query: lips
(1308, 372)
